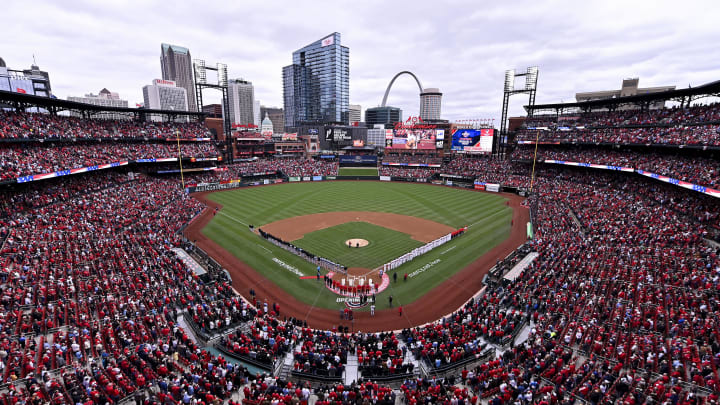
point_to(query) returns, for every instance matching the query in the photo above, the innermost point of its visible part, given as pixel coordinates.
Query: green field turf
(358, 171)
(486, 213)
(383, 244)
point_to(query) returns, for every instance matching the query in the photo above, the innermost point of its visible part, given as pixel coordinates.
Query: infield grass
(486, 213)
(384, 244)
(358, 171)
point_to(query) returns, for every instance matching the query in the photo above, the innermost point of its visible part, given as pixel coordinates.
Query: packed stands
(694, 169)
(620, 306)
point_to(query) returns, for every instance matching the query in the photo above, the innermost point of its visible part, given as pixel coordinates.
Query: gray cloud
(462, 47)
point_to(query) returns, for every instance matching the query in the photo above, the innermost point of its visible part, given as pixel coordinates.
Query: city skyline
(462, 48)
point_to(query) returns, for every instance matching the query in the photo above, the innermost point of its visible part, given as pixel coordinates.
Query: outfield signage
(385, 178)
(215, 187)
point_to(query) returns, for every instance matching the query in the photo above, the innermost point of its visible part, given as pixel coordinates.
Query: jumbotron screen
(473, 140)
(412, 138)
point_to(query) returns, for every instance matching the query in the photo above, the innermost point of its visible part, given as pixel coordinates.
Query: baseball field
(440, 209)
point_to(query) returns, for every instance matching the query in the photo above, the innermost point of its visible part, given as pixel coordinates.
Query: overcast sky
(461, 47)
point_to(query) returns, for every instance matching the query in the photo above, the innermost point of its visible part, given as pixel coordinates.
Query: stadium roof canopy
(685, 96)
(9, 99)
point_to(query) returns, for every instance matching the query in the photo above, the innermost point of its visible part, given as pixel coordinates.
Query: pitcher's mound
(356, 242)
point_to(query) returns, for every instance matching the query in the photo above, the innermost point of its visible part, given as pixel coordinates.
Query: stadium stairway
(288, 361)
(408, 354)
(351, 369)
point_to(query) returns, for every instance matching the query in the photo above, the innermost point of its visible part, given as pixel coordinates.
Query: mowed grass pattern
(358, 171)
(384, 244)
(486, 213)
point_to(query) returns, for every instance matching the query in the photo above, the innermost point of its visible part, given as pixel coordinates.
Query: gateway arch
(387, 91)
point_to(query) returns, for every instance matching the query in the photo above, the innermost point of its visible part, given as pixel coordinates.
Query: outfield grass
(487, 214)
(358, 171)
(384, 244)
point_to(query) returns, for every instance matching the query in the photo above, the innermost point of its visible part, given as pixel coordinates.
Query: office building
(629, 87)
(165, 95)
(105, 98)
(241, 101)
(430, 104)
(27, 81)
(354, 114)
(316, 87)
(213, 110)
(382, 115)
(256, 112)
(277, 117)
(176, 65)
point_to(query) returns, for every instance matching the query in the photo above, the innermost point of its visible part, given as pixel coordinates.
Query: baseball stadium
(166, 256)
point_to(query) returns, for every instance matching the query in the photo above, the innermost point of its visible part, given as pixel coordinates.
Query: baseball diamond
(320, 217)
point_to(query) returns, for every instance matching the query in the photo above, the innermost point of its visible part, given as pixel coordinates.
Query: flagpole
(182, 177)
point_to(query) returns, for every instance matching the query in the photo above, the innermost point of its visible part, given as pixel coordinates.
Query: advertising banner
(306, 178)
(495, 188)
(473, 140)
(384, 178)
(317, 178)
(479, 186)
(294, 178)
(290, 137)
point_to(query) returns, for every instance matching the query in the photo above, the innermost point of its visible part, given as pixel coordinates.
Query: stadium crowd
(24, 125)
(691, 115)
(24, 159)
(694, 169)
(621, 305)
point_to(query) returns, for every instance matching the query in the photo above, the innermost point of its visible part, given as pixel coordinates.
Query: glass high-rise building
(176, 65)
(316, 87)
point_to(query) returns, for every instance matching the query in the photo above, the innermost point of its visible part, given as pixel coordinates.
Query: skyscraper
(430, 104)
(241, 99)
(316, 87)
(176, 65)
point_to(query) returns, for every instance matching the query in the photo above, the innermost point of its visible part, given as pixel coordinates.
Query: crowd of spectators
(690, 115)
(380, 355)
(620, 305)
(694, 169)
(24, 159)
(322, 353)
(707, 135)
(409, 172)
(91, 293)
(24, 125)
(408, 158)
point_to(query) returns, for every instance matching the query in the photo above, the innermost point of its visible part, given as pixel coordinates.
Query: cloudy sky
(461, 47)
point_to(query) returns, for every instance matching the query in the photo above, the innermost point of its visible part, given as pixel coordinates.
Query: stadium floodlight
(222, 74)
(200, 72)
(531, 78)
(509, 80)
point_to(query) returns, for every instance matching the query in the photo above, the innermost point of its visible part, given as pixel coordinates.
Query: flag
(138, 105)
(19, 90)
